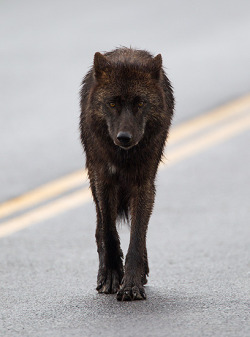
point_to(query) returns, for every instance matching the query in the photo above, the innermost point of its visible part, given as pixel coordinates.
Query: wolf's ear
(156, 66)
(101, 65)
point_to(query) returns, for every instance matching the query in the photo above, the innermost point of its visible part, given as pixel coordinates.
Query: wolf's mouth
(126, 147)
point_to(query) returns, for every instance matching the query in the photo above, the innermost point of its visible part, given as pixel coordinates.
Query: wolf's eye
(140, 104)
(112, 104)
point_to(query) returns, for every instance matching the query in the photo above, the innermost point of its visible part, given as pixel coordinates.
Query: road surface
(199, 234)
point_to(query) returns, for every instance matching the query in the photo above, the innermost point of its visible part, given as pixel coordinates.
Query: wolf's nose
(124, 137)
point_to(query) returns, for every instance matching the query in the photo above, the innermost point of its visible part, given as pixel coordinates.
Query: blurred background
(48, 46)
(198, 238)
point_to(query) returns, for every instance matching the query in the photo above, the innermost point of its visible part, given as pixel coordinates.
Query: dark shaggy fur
(126, 109)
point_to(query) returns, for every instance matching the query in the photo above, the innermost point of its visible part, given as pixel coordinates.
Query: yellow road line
(209, 119)
(45, 212)
(80, 197)
(43, 193)
(76, 179)
(209, 139)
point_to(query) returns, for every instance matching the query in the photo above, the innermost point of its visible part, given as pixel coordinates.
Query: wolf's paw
(131, 293)
(109, 282)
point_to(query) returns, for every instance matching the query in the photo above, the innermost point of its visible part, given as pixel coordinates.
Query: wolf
(127, 104)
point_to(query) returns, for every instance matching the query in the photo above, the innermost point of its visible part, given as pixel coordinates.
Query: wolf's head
(127, 94)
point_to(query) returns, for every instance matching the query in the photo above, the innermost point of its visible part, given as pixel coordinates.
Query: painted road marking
(78, 198)
(211, 138)
(76, 179)
(209, 119)
(45, 212)
(43, 193)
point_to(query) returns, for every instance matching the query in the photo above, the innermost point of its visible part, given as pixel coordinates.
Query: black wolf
(126, 109)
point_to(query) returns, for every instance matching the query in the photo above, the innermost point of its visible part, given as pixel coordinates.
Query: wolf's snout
(124, 137)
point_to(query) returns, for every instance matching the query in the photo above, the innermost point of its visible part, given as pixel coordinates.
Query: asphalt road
(199, 234)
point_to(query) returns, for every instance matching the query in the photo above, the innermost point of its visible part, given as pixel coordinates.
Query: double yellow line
(184, 141)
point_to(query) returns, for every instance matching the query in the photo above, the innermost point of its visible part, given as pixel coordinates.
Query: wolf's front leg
(110, 271)
(136, 266)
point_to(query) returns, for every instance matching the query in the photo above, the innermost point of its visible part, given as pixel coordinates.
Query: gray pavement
(199, 234)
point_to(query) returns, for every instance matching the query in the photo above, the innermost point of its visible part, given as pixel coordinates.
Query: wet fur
(122, 180)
